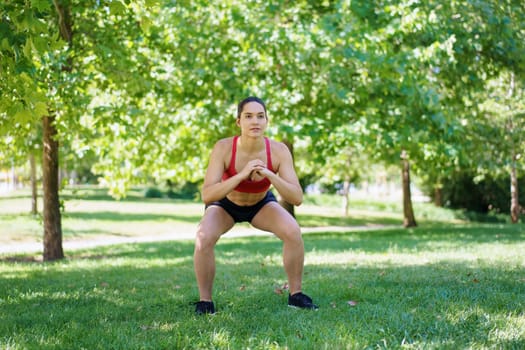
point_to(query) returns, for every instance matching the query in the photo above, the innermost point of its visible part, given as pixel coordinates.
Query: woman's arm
(214, 188)
(286, 182)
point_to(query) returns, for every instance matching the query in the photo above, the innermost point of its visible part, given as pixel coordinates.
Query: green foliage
(145, 88)
(463, 190)
(153, 192)
(186, 190)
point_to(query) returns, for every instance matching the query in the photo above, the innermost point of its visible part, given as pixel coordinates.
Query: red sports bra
(249, 186)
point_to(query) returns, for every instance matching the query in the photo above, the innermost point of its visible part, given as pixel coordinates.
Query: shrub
(186, 190)
(460, 191)
(153, 192)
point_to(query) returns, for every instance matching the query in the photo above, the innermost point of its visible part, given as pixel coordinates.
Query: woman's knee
(292, 234)
(213, 224)
(205, 240)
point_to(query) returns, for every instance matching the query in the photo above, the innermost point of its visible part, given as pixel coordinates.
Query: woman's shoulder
(225, 142)
(223, 145)
(278, 146)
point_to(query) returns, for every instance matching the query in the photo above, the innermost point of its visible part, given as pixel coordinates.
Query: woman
(236, 189)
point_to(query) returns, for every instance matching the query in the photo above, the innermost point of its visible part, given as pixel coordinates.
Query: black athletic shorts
(243, 213)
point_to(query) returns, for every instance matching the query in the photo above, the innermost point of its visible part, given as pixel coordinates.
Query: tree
(503, 119)
(145, 88)
(48, 77)
(489, 49)
(446, 52)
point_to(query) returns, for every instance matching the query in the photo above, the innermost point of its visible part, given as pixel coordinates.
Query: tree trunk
(289, 207)
(50, 173)
(514, 198)
(408, 212)
(52, 221)
(438, 196)
(346, 197)
(12, 182)
(346, 186)
(34, 188)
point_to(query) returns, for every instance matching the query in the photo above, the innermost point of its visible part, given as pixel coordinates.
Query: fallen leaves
(351, 303)
(474, 279)
(280, 290)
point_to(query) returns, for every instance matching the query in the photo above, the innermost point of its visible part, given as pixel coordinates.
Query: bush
(153, 192)
(187, 190)
(460, 191)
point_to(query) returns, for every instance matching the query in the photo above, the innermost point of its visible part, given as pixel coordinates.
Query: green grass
(450, 288)
(89, 212)
(444, 285)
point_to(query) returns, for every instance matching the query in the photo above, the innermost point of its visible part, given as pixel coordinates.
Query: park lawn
(438, 286)
(95, 215)
(89, 213)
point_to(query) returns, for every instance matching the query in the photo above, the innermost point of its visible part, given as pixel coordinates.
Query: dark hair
(248, 100)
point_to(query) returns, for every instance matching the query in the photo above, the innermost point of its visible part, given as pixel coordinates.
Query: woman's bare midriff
(245, 199)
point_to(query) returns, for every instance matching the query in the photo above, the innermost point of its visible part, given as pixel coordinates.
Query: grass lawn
(89, 213)
(443, 285)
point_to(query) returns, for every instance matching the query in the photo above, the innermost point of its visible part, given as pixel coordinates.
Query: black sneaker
(204, 307)
(301, 301)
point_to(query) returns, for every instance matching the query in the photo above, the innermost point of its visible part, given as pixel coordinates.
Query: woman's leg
(274, 218)
(214, 223)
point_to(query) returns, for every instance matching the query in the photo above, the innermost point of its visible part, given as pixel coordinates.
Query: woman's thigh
(274, 218)
(214, 223)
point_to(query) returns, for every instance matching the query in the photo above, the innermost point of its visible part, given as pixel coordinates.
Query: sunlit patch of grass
(20, 227)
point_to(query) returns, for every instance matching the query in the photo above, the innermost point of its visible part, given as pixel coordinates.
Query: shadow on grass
(97, 194)
(95, 234)
(118, 216)
(373, 241)
(139, 295)
(322, 220)
(132, 197)
(128, 199)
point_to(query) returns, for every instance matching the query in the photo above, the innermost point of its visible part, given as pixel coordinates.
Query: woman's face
(253, 120)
